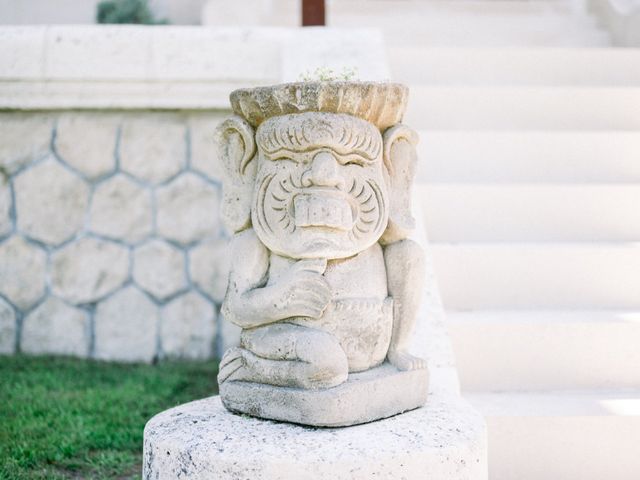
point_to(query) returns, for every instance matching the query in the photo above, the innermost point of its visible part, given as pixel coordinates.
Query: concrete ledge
(168, 67)
(202, 440)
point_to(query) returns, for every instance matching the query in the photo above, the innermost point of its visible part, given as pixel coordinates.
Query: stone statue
(324, 282)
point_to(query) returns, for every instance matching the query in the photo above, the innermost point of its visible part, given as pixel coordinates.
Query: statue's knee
(326, 360)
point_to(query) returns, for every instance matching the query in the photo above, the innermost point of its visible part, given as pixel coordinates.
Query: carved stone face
(320, 188)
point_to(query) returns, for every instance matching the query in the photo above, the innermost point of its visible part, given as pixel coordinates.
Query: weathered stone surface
(8, 328)
(5, 206)
(204, 154)
(187, 209)
(158, 268)
(87, 142)
(324, 281)
(22, 272)
(56, 328)
(229, 335)
(121, 209)
(23, 138)
(88, 269)
(201, 440)
(126, 326)
(153, 149)
(51, 202)
(379, 392)
(187, 327)
(209, 264)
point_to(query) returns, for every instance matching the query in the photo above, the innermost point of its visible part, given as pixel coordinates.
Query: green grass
(64, 418)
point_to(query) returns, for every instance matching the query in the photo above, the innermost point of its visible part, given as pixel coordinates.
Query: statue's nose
(324, 172)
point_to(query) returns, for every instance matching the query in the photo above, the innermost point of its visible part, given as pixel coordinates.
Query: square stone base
(381, 392)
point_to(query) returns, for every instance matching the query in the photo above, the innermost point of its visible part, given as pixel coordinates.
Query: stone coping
(168, 67)
(202, 440)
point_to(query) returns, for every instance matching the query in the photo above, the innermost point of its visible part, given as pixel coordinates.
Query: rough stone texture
(87, 142)
(204, 155)
(324, 281)
(89, 269)
(229, 335)
(23, 138)
(376, 393)
(187, 327)
(56, 328)
(201, 440)
(209, 264)
(126, 327)
(5, 206)
(22, 272)
(153, 149)
(187, 209)
(158, 268)
(121, 209)
(51, 202)
(8, 328)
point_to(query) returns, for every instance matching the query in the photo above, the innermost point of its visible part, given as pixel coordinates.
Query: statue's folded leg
(286, 355)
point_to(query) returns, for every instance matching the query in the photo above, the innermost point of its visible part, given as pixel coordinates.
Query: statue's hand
(404, 361)
(303, 291)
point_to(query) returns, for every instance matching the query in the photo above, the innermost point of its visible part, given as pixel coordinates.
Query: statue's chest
(362, 276)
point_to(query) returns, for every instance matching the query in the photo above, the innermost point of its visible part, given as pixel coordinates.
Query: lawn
(64, 418)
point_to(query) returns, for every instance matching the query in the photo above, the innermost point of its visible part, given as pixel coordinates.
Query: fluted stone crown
(382, 104)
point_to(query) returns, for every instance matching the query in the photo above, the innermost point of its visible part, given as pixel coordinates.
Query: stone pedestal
(202, 440)
(381, 392)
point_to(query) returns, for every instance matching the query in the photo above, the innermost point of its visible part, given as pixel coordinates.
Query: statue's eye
(356, 159)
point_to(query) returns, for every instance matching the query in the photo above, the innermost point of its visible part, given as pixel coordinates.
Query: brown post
(312, 13)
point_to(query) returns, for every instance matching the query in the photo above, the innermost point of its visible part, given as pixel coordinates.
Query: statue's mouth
(327, 208)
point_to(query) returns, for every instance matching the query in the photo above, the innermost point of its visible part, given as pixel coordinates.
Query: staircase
(530, 182)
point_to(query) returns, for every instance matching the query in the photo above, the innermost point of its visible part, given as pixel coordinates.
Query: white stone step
(546, 349)
(592, 435)
(529, 156)
(524, 108)
(544, 275)
(531, 212)
(471, 23)
(509, 66)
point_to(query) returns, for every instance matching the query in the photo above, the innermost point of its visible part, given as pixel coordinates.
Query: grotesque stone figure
(324, 283)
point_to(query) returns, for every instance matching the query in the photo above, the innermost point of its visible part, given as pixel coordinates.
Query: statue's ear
(400, 158)
(236, 151)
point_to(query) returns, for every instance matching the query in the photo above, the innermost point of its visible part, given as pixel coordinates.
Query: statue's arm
(250, 302)
(404, 262)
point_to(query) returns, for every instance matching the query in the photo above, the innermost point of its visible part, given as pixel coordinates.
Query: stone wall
(110, 241)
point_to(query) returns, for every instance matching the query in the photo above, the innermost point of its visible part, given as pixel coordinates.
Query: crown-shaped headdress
(382, 104)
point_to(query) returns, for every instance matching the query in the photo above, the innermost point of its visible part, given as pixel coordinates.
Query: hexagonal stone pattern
(153, 149)
(5, 206)
(209, 264)
(158, 268)
(22, 272)
(121, 209)
(56, 328)
(188, 209)
(50, 202)
(23, 138)
(126, 327)
(88, 269)
(87, 142)
(204, 155)
(187, 327)
(7, 328)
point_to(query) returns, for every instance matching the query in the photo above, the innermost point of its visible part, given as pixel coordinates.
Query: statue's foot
(404, 361)
(232, 366)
